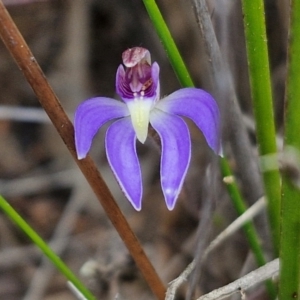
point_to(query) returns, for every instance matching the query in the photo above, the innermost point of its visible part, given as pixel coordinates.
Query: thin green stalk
(56, 261)
(182, 74)
(258, 62)
(248, 228)
(168, 43)
(290, 203)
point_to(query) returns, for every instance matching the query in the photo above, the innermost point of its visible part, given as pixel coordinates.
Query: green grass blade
(258, 62)
(56, 261)
(290, 206)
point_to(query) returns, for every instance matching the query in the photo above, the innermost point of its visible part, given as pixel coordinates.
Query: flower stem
(168, 43)
(248, 228)
(232, 188)
(34, 75)
(56, 261)
(289, 286)
(258, 62)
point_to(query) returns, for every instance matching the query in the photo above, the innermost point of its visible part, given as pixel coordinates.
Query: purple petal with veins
(120, 143)
(90, 116)
(200, 107)
(138, 82)
(176, 153)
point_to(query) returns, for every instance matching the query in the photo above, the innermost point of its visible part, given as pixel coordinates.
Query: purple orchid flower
(138, 87)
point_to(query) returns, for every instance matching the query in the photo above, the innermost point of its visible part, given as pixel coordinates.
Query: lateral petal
(90, 115)
(200, 107)
(176, 153)
(120, 143)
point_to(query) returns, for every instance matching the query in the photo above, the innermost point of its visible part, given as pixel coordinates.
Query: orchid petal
(90, 116)
(200, 107)
(176, 153)
(120, 143)
(120, 85)
(145, 85)
(155, 78)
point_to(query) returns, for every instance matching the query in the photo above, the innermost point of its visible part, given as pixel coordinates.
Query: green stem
(256, 42)
(248, 228)
(56, 261)
(290, 203)
(168, 43)
(183, 74)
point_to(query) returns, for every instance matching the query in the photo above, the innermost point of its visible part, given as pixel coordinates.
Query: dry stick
(250, 213)
(205, 224)
(23, 114)
(32, 184)
(34, 75)
(226, 97)
(269, 270)
(21, 2)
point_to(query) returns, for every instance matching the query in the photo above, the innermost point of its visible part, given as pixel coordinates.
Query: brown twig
(34, 75)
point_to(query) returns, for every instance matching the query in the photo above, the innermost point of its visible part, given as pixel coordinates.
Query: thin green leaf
(38, 241)
(289, 287)
(182, 73)
(258, 62)
(249, 228)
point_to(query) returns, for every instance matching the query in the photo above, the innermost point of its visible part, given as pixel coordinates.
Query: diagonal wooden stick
(268, 271)
(28, 65)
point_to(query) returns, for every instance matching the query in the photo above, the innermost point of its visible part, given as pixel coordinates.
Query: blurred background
(79, 45)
